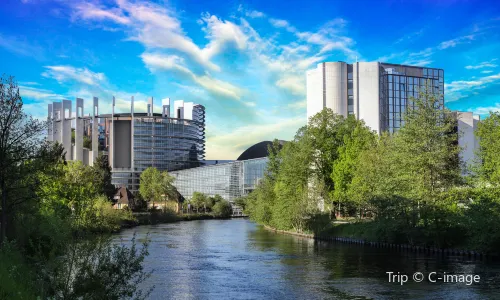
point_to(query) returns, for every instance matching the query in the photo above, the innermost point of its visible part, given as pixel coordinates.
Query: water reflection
(236, 259)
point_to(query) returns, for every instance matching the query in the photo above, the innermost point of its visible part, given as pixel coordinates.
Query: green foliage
(156, 186)
(102, 171)
(222, 209)
(360, 139)
(198, 201)
(488, 133)
(99, 269)
(405, 187)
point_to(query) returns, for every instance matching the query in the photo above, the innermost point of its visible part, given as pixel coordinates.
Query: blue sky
(244, 61)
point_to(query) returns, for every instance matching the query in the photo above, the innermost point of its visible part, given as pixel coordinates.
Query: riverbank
(466, 253)
(152, 218)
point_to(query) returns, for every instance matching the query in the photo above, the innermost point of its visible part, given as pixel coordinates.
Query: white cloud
(21, 46)
(301, 104)
(456, 41)
(157, 27)
(487, 71)
(251, 13)
(295, 84)
(485, 64)
(38, 94)
(220, 33)
(90, 11)
(69, 73)
(459, 89)
(486, 110)
(223, 145)
(156, 62)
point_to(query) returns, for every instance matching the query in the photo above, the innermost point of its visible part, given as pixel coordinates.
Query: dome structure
(258, 150)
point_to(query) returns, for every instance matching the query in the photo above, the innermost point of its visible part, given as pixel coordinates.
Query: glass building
(398, 85)
(378, 93)
(229, 180)
(167, 144)
(132, 141)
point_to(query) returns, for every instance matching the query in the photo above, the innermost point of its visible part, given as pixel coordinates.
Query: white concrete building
(379, 93)
(466, 125)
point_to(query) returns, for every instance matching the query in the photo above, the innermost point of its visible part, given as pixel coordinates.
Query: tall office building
(376, 92)
(379, 93)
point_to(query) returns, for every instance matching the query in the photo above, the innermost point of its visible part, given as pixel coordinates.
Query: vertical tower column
(165, 107)
(150, 106)
(66, 128)
(95, 130)
(56, 122)
(132, 167)
(50, 121)
(112, 136)
(79, 130)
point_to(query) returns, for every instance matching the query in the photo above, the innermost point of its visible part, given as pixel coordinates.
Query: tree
(102, 171)
(156, 186)
(488, 133)
(357, 140)
(22, 152)
(198, 200)
(426, 154)
(222, 209)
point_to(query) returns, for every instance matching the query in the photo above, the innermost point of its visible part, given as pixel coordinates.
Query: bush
(222, 209)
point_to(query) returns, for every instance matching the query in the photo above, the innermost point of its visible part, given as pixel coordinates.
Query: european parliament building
(132, 141)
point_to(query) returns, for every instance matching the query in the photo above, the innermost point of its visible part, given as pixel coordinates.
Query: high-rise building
(379, 93)
(376, 92)
(132, 141)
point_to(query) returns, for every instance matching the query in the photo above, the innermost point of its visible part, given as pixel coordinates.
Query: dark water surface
(237, 259)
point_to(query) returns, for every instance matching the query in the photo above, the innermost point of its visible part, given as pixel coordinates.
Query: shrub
(222, 209)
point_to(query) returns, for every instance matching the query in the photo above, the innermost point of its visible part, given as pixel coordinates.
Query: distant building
(133, 141)
(230, 180)
(467, 124)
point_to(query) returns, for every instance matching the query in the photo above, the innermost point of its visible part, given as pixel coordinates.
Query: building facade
(376, 92)
(133, 141)
(379, 94)
(230, 180)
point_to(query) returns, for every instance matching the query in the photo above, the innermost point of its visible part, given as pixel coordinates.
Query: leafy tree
(22, 152)
(488, 133)
(222, 209)
(425, 152)
(102, 171)
(156, 186)
(198, 200)
(359, 139)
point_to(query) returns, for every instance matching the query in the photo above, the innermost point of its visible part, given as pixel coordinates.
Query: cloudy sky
(244, 61)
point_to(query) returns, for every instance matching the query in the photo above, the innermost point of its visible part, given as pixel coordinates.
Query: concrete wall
(366, 90)
(335, 83)
(467, 140)
(66, 128)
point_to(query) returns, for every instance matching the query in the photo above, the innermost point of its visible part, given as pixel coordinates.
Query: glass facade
(229, 180)
(399, 85)
(167, 144)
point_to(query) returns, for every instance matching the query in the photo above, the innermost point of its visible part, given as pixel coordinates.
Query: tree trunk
(3, 220)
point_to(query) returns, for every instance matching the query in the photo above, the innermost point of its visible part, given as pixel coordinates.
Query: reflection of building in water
(133, 141)
(230, 180)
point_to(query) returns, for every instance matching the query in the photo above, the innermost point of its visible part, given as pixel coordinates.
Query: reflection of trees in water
(327, 262)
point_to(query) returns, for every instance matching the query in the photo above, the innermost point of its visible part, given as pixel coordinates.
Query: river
(237, 259)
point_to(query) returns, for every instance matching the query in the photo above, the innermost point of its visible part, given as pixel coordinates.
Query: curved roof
(257, 151)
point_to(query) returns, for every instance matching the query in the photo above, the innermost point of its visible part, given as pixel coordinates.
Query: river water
(237, 259)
